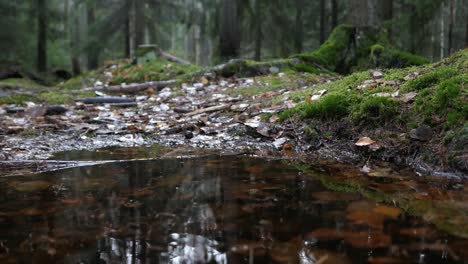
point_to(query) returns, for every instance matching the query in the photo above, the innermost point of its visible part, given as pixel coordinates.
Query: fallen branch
(132, 88)
(209, 109)
(173, 58)
(105, 100)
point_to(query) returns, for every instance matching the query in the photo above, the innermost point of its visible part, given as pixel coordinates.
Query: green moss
(17, 99)
(429, 79)
(377, 49)
(156, 70)
(330, 53)
(21, 82)
(444, 101)
(375, 110)
(332, 106)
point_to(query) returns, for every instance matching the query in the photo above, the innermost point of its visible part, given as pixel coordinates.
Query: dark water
(206, 210)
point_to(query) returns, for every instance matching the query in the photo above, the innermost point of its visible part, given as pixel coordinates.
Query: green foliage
(429, 79)
(377, 49)
(375, 110)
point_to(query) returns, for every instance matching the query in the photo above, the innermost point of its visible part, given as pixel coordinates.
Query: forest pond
(213, 209)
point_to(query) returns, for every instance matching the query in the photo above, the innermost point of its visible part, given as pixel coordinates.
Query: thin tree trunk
(322, 21)
(258, 30)
(93, 50)
(127, 32)
(42, 35)
(334, 16)
(298, 36)
(139, 23)
(387, 15)
(442, 32)
(76, 67)
(451, 26)
(229, 31)
(466, 34)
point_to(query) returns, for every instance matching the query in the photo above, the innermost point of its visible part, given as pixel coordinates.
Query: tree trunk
(299, 34)
(322, 21)
(334, 15)
(442, 31)
(387, 15)
(76, 67)
(42, 35)
(364, 13)
(229, 31)
(139, 23)
(93, 50)
(466, 34)
(127, 32)
(258, 30)
(451, 26)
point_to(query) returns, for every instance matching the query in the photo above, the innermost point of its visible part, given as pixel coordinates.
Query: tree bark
(139, 23)
(466, 34)
(127, 31)
(93, 50)
(387, 15)
(42, 24)
(334, 16)
(298, 36)
(75, 36)
(451, 26)
(322, 21)
(258, 30)
(229, 45)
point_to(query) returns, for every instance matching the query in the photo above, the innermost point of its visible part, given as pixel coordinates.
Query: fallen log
(209, 109)
(132, 88)
(105, 100)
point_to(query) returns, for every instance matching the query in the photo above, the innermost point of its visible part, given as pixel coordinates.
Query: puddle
(206, 210)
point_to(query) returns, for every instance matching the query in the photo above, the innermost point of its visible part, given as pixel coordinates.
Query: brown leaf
(389, 211)
(367, 218)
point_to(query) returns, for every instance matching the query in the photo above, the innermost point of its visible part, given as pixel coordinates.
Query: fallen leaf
(389, 211)
(365, 141)
(366, 218)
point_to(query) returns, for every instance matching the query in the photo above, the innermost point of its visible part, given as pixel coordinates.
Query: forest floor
(366, 116)
(368, 120)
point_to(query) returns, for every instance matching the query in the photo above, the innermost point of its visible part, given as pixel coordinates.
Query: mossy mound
(153, 70)
(350, 49)
(434, 95)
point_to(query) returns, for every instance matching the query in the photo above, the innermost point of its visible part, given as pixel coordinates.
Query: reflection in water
(210, 210)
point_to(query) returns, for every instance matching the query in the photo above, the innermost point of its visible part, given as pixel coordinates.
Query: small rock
(422, 133)
(281, 74)
(409, 97)
(188, 134)
(56, 110)
(274, 70)
(198, 86)
(411, 76)
(377, 74)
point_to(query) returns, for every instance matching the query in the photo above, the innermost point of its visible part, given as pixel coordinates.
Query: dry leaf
(365, 141)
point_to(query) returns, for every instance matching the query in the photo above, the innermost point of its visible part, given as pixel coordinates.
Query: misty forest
(234, 131)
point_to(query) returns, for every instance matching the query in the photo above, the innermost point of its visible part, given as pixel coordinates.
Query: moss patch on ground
(154, 70)
(442, 96)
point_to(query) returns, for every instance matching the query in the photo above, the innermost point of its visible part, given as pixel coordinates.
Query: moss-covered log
(351, 48)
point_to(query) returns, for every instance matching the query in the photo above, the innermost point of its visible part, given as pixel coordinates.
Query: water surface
(206, 210)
